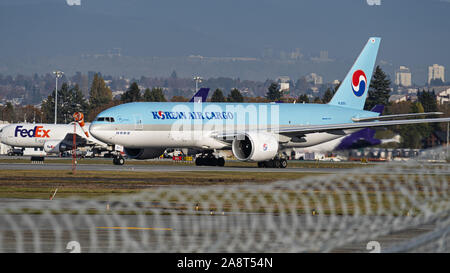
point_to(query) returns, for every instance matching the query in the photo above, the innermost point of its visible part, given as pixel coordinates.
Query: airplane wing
(308, 129)
(359, 125)
(79, 140)
(397, 116)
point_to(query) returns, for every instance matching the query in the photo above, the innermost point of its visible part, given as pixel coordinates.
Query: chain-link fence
(402, 207)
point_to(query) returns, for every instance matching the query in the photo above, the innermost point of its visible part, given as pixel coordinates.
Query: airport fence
(393, 207)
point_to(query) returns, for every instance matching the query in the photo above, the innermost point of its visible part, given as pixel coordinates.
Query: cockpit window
(107, 119)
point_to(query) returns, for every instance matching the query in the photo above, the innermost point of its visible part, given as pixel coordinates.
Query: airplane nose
(94, 129)
(99, 132)
(1, 134)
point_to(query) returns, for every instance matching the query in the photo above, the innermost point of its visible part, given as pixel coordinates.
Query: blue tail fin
(379, 108)
(354, 88)
(201, 95)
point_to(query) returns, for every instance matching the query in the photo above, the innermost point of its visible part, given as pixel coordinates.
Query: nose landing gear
(118, 159)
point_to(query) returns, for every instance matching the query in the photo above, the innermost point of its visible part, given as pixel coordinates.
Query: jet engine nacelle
(54, 146)
(145, 153)
(255, 147)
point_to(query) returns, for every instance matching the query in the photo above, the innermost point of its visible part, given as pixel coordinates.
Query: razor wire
(402, 206)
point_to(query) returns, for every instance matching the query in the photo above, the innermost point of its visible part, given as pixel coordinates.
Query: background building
(403, 76)
(436, 72)
(314, 78)
(283, 83)
(443, 96)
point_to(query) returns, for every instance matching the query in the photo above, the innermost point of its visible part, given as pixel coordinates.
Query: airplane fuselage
(164, 124)
(34, 135)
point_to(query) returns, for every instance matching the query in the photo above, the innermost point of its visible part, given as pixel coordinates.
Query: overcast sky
(414, 32)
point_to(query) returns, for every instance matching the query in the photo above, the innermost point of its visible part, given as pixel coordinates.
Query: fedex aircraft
(256, 132)
(53, 138)
(56, 138)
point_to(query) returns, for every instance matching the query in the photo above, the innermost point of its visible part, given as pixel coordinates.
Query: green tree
(413, 134)
(156, 94)
(303, 98)
(429, 102)
(235, 96)
(99, 94)
(70, 100)
(77, 101)
(379, 90)
(328, 95)
(132, 94)
(218, 96)
(273, 93)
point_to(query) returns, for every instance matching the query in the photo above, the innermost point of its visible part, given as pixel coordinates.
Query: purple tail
(378, 109)
(360, 139)
(201, 95)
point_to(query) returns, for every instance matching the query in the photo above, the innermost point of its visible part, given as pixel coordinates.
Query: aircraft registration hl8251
(257, 132)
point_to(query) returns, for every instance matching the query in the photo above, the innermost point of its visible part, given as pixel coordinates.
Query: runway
(183, 167)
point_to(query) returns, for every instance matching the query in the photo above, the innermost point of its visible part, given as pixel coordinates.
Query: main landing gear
(118, 159)
(209, 159)
(274, 163)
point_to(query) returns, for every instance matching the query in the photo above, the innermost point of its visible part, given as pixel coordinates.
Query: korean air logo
(359, 83)
(265, 146)
(161, 115)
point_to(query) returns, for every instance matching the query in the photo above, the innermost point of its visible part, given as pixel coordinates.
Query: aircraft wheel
(213, 161)
(199, 161)
(260, 164)
(221, 162)
(276, 163)
(120, 161)
(283, 163)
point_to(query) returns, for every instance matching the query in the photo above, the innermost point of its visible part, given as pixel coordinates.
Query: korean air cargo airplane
(256, 132)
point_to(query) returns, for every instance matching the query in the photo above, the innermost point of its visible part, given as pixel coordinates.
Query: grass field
(364, 194)
(91, 184)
